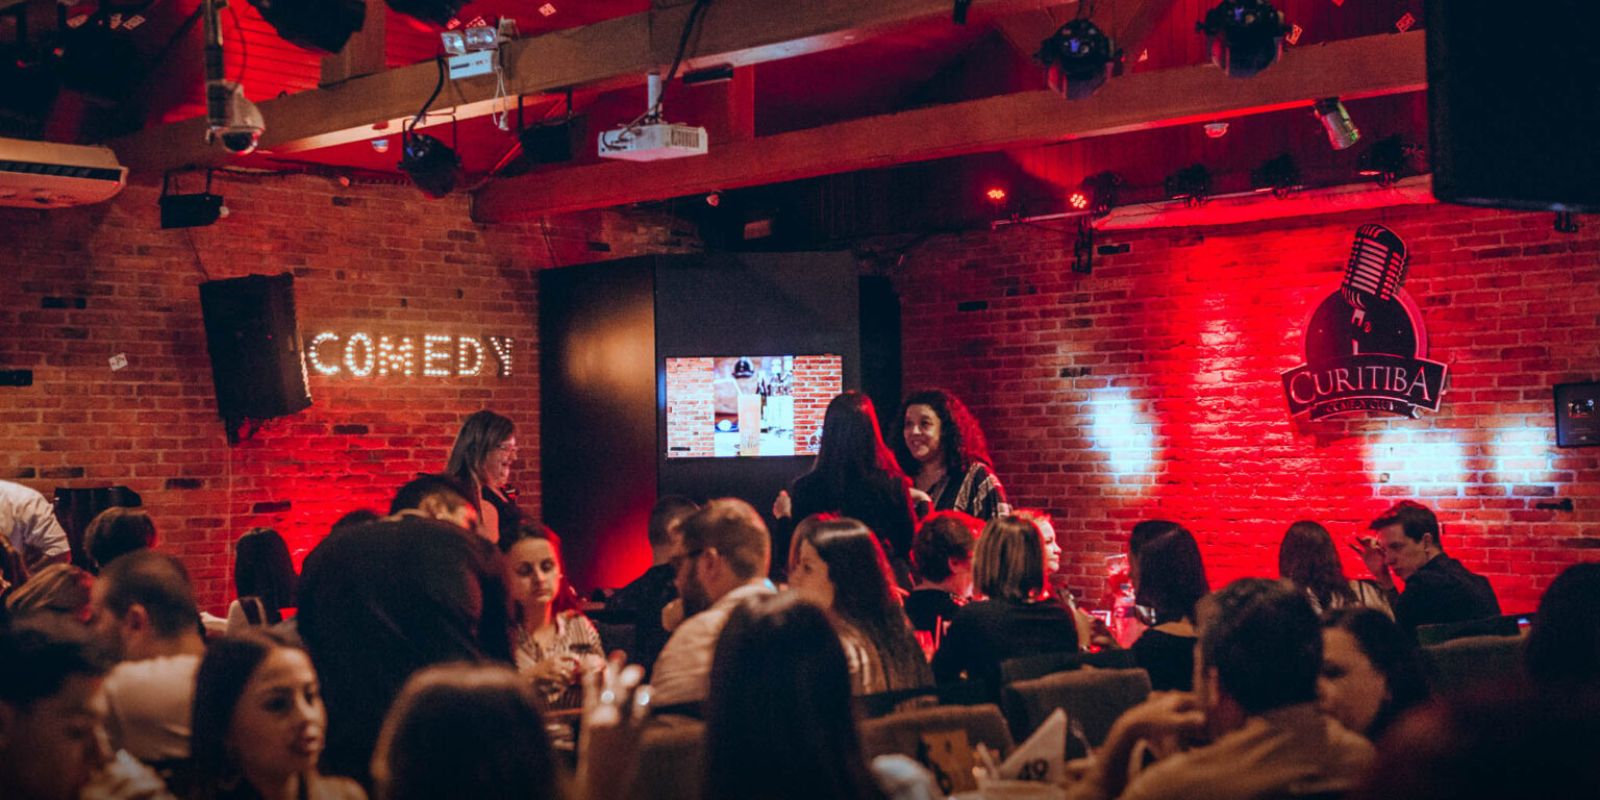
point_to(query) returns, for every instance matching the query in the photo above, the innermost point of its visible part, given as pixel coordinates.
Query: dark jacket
(1444, 591)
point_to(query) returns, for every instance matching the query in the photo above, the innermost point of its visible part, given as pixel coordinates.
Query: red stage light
(1078, 200)
(996, 195)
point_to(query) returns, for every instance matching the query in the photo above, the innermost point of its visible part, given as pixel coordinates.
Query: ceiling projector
(649, 138)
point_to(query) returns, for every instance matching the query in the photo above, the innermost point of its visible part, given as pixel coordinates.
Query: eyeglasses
(507, 448)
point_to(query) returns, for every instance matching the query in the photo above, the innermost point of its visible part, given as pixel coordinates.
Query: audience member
(1563, 649)
(116, 532)
(1171, 579)
(29, 521)
(360, 516)
(13, 572)
(145, 613)
(554, 645)
(856, 476)
(465, 730)
(1372, 672)
(1014, 619)
(263, 579)
(723, 562)
(1308, 559)
(941, 561)
(259, 724)
(643, 600)
(780, 724)
(837, 565)
(437, 497)
(58, 590)
(1260, 654)
(381, 601)
(1144, 532)
(1438, 588)
(480, 460)
(943, 450)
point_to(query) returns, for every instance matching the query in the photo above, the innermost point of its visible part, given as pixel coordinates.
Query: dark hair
(444, 490)
(37, 656)
(668, 511)
(960, 437)
(1145, 531)
(59, 588)
(353, 518)
(852, 447)
(566, 598)
(1393, 653)
(943, 537)
(735, 530)
(1265, 643)
(1563, 649)
(1415, 519)
(480, 434)
(262, 568)
(118, 531)
(780, 723)
(1172, 576)
(1307, 558)
(465, 730)
(1008, 562)
(864, 597)
(219, 684)
(156, 581)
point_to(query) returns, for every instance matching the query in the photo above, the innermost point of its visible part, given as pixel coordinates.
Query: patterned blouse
(576, 637)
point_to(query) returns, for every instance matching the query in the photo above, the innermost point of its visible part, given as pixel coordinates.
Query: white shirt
(683, 670)
(151, 701)
(29, 521)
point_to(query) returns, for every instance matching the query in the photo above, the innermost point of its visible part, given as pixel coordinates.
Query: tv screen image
(731, 406)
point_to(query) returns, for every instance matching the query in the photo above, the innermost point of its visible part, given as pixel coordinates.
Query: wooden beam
(1352, 69)
(738, 32)
(362, 55)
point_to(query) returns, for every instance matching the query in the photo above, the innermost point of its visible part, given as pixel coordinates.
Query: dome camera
(234, 120)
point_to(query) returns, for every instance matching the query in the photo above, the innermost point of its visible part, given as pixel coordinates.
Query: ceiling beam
(1351, 69)
(737, 32)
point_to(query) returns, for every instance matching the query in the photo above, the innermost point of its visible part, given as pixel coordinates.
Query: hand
(559, 671)
(672, 615)
(1164, 713)
(919, 496)
(1371, 552)
(614, 709)
(782, 507)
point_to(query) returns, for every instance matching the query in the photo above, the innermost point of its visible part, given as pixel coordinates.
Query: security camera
(232, 118)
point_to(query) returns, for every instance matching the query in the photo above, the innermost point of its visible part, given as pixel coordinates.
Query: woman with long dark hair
(553, 643)
(481, 460)
(838, 565)
(263, 578)
(1171, 580)
(943, 450)
(1308, 559)
(1372, 671)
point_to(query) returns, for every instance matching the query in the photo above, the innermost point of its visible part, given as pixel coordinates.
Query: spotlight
(1099, 193)
(1215, 130)
(995, 195)
(189, 210)
(1281, 175)
(1342, 133)
(431, 165)
(1078, 58)
(438, 12)
(1191, 184)
(1389, 160)
(1245, 36)
(1079, 201)
(321, 25)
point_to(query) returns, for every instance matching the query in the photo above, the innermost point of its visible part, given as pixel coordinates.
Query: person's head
(439, 497)
(465, 730)
(1308, 559)
(1047, 533)
(535, 579)
(840, 566)
(852, 446)
(1172, 576)
(1371, 670)
(662, 532)
(780, 723)
(1563, 649)
(936, 426)
(258, 713)
(1008, 562)
(116, 532)
(1409, 533)
(723, 546)
(1260, 649)
(483, 451)
(144, 605)
(262, 568)
(52, 709)
(59, 589)
(942, 549)
(1143, 533)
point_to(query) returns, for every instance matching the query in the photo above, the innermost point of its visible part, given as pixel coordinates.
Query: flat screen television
(748, 406)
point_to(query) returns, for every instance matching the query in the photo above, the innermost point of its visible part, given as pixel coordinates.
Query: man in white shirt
(723, 561)
(29, 521)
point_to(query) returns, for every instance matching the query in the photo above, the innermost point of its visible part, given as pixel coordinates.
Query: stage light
(1342, 133)
(1215, 130)
(1191, 184)
(1389, 160)
(995, 195)
(1099, 193)
(189, 210)
(1078, 59)
(1244, 36)
(321, 25)
(1079, 201)
(1281, 175)
(433, 167)
(438, 12)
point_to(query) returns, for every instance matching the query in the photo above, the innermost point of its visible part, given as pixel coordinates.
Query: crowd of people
(437, 650)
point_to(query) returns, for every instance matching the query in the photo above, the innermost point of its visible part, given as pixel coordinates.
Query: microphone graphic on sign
(1376, 269)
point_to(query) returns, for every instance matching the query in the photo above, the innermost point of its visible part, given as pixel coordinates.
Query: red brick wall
(80, 286)
(692, 409)
(1151, 387)
(816, 383)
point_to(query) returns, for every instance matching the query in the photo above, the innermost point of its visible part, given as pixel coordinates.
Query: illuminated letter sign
(1365, 345)
(364, 355)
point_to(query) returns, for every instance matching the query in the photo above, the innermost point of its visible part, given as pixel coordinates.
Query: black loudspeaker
(1513, 104)
(256, 360)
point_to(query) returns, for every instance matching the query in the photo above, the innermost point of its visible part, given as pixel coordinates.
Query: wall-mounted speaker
(257, 363)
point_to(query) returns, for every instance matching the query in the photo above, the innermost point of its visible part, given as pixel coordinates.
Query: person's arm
(1164, 713)
(43, 540)
(902, 522)
(615, 705)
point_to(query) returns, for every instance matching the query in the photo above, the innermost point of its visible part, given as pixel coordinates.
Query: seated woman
(1015, 619)
(1372, 671)
(59, 590)
(1170, 579)
(1308, 559)
(554, 645)
(259, 723)
(263, 577)
(943, 450)
(941, 562)
(838, 565)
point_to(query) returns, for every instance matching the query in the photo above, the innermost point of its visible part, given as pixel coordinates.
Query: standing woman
(943, 450)
(552, 643)
(481, 460)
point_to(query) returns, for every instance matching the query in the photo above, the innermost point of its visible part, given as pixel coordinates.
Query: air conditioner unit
(49, 175)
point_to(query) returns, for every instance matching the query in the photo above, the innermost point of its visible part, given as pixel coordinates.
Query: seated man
(724, 556)
(648, 594)
(1438, 588)
(1259, 656)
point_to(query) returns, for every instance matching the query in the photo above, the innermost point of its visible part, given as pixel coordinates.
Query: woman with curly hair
(943, 450)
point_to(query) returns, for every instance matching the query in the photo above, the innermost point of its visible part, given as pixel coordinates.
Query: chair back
(671, 759)
(1027, 668)
(1509, 625)
(902, 732)
(1460, 664)
(1093, 698)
